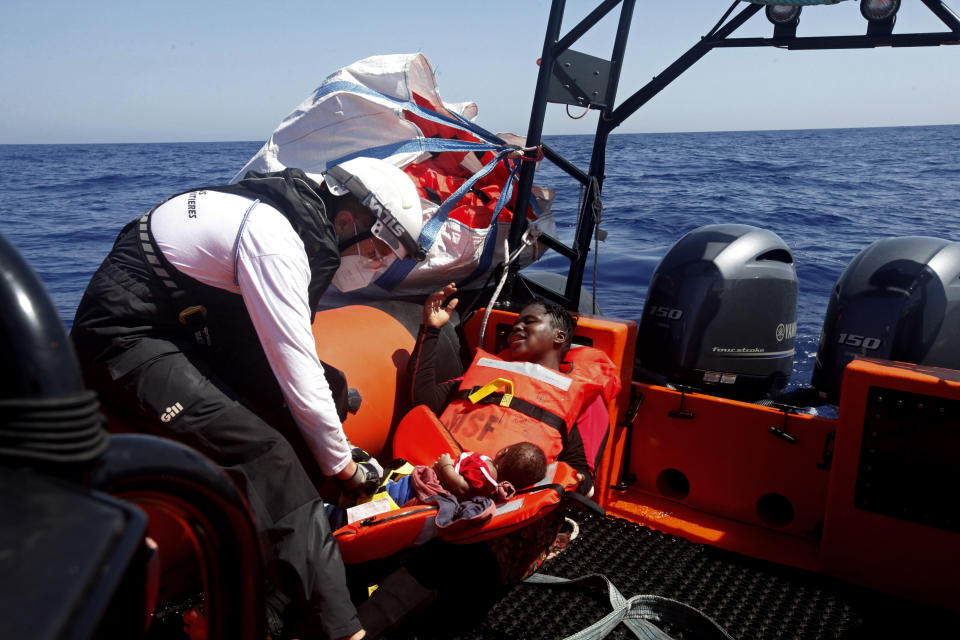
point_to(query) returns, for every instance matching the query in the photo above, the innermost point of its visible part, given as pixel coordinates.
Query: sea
(828, 193)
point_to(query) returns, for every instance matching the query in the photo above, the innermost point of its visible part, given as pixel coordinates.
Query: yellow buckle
(491, 387)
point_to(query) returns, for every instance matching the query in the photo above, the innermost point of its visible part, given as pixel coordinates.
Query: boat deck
(748, 598)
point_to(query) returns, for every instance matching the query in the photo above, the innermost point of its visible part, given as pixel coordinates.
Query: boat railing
(577, 79)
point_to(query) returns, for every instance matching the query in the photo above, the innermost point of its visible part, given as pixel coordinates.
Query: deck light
(880, 15)
(879, 9)
(785, 18)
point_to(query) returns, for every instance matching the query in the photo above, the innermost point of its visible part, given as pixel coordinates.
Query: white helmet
(390, 194)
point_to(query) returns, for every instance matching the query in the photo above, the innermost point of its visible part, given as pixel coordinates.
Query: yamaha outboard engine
(899, 299)
(721, 313)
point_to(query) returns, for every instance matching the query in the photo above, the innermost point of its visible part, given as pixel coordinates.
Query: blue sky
(113, 71)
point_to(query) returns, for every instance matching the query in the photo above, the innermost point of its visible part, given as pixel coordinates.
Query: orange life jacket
(593, 364)
(439, 176)
(502, 402)
(420, 438)
(387, 533)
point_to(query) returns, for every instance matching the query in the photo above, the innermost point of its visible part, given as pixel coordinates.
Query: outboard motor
(721, 312)
(898, 299)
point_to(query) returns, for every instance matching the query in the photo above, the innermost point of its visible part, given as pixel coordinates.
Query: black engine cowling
(898, 299)
(721, 312)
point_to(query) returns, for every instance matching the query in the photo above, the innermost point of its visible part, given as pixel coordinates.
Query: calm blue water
(827, 193)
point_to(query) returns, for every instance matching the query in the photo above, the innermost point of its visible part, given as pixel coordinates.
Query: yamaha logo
(786, 331)
(171, 412)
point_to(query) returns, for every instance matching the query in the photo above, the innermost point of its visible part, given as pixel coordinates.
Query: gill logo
(171, 412)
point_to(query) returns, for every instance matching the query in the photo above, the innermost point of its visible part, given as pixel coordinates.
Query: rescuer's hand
(435, 312)
(366, 479)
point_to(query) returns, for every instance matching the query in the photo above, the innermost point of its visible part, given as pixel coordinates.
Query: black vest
(299, 199)
(127, 315)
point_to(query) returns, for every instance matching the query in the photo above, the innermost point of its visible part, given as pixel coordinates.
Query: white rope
(598, 214)
(528, 239)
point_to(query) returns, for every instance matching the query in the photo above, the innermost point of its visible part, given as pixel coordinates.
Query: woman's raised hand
(435, 313)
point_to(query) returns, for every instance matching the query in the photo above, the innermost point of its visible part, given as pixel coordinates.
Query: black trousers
(205, 411)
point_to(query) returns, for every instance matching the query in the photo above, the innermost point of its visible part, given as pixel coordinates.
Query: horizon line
(616, 133)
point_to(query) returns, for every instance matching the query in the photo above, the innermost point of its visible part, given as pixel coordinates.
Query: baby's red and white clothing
(475, 470)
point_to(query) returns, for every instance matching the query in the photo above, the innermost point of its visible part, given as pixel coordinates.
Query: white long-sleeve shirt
(267, 265)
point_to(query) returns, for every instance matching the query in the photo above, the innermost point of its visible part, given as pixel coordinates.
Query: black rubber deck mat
(750, 599)
(167, 622)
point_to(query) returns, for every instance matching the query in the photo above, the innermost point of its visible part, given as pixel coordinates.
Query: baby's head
(521, 464)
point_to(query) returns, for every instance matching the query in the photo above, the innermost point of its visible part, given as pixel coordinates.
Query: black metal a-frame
(574, 78)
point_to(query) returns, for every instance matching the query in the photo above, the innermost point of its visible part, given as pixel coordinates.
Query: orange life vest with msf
(502, 402)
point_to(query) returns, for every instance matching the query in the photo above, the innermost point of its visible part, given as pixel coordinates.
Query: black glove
(358, 454)
(366, 479)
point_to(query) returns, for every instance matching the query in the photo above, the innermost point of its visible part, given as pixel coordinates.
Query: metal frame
(555, 44)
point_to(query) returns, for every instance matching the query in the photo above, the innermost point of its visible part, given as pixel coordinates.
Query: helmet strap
(357, 239)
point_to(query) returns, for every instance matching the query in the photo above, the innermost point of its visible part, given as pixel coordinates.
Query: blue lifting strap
(457, 122)
(399, 270)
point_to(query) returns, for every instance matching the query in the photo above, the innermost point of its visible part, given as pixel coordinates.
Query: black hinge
(626, 477)
(681, 412)
(782, 433)
(827, 457)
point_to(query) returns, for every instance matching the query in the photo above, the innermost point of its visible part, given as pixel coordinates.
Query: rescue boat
(717, 490)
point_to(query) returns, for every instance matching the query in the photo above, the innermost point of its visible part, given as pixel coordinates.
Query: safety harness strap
(193, 317)
(639, 613)
(154, 258)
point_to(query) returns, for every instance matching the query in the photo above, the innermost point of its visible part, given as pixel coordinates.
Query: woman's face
(533, 334)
